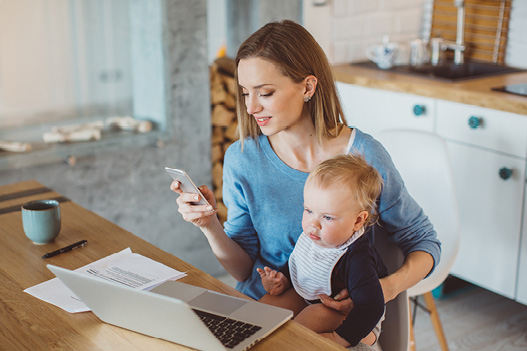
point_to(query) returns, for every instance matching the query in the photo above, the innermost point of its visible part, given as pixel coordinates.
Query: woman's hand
(231, 256)
(341, 302)
(199, 215)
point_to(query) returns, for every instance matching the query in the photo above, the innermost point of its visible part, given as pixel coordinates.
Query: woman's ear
(361, 219)
(311, 87)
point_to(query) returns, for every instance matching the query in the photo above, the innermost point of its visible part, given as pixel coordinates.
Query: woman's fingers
(174, 186)
(342, 306)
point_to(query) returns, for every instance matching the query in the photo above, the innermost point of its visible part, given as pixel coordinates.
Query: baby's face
(330, 215)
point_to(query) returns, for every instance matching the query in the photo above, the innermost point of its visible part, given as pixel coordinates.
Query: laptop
(177, 312)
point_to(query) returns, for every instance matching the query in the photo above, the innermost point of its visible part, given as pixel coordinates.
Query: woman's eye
(265, 95)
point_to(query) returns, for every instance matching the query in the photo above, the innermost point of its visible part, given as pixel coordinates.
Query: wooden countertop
(473, 91)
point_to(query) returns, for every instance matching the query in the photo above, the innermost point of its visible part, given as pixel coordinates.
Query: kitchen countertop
(472, 91)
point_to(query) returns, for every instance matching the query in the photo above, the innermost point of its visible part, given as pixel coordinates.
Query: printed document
(123, 267)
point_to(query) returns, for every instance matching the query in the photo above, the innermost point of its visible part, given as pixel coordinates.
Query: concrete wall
(244, 17)
(130, 187)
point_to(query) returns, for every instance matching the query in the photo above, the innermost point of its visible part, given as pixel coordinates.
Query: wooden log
(217, 153)
(218, 93)
(231, 88)
(231, 133)
(222, 212)
(222, 116)
(226, 145)
(218, 136)
(217, 175)
(218, 194)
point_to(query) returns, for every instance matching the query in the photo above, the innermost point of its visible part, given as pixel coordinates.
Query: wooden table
(28, 323)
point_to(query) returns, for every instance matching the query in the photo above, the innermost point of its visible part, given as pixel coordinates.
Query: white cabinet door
(521, 288)
(490, 211)
(491, 129)
(372, 110)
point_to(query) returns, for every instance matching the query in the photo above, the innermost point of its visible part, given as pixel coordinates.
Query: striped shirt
(310, 265)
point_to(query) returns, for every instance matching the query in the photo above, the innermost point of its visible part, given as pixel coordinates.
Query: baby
(333, 253)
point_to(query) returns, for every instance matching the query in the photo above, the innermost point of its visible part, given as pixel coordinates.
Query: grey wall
(130, 187)
(244, 17)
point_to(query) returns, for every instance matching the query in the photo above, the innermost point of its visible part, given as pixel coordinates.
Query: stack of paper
(123, 267)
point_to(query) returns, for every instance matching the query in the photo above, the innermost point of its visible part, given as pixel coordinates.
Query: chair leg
(411, 344)
(436, 323)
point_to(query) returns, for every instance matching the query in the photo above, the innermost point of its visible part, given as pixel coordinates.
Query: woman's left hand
(341, 302)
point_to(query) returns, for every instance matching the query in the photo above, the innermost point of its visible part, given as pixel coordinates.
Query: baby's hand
(273, 282)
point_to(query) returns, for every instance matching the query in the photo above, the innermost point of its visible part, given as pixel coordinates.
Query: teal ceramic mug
(41, 220)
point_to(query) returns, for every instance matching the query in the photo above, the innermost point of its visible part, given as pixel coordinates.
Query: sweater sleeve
(239, 225)
(365, 290)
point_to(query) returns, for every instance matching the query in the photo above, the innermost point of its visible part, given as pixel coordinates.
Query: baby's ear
(361, 219)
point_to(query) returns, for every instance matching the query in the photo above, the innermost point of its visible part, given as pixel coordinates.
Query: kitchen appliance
(517, 89)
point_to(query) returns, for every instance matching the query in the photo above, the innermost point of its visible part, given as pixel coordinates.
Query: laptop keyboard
(229, 331)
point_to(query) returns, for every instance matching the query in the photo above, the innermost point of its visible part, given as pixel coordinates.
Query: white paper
(123, 267)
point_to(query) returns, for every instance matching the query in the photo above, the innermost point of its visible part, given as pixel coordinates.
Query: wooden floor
(475, 319)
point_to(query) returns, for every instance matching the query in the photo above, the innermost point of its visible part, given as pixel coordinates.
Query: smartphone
(186, 184)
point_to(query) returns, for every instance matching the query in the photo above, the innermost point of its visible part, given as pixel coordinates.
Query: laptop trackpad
(217, 303)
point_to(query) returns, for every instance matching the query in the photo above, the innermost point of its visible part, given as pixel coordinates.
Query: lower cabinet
(490, 210)
(488, 150)
(521, 288)
(488, 153)
(372, 110)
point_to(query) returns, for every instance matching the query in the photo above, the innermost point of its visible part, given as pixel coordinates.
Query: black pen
(66, 249)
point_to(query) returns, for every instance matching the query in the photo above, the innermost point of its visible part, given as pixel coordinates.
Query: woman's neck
(301, 149)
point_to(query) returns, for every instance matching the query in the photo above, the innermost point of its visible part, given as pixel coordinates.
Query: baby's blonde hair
(354, 174)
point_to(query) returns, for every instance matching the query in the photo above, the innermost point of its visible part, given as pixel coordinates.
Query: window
(71, 62)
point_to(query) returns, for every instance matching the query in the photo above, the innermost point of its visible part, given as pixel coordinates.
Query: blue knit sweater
(264, 197)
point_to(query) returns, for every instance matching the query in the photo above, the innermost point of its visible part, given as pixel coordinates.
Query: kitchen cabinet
(372, 110)
(490, 213)
(488, 150)
(521, 289)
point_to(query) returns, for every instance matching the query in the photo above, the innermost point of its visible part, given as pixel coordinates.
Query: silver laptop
(177, 312)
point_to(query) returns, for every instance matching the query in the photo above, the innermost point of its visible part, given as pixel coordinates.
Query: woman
(290, 120)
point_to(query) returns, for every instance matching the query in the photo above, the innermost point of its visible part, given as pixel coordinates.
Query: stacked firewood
(224, 122)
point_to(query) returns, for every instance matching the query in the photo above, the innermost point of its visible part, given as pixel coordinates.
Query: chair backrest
(395, 334)
(422, 160)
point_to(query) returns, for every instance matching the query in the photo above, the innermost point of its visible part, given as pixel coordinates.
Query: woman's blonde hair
(354, 174)
(297, 55)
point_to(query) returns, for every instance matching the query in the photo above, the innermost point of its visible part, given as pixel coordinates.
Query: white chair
(423, 161)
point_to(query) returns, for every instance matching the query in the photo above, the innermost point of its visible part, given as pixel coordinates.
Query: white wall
(60, 59)
(345, 28)
(516, 53)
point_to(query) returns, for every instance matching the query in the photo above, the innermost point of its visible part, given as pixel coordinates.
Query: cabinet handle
(505, 173)
(419, 110)
(475, 122)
